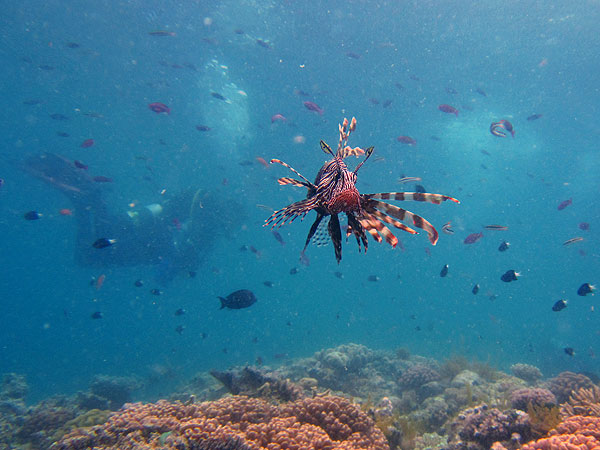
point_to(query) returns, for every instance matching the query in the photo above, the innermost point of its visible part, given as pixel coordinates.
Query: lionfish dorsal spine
(368, 153)
(326, 148)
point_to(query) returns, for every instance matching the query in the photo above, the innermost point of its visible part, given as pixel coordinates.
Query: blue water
(527, 56)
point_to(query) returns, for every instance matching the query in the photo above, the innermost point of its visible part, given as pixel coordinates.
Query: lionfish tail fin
(308, 183)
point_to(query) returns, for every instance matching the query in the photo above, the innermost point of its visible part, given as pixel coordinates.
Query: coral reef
(565, 383)
(258, 382)
(526, 372)
(116, 390)
(522, 398)
(480, 427)
(418, 375)
(237, 422)
(583, 402)
(576, 432)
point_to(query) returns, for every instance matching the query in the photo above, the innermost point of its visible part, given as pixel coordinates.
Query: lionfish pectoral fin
(312, 230)
(291, 213)
(286, 180)
(308, 183)
(326, 148)
(384, 231)
(403, 214)
(335, 232)
(436, 199)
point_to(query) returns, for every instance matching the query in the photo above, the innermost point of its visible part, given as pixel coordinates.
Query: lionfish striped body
(334, 192)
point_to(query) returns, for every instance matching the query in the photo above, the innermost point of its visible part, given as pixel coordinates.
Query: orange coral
(575, 433)
(238, 422)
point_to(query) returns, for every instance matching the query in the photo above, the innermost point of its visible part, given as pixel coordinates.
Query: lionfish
(334, 192)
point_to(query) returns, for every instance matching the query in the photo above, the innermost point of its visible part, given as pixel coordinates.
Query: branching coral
(237, 422)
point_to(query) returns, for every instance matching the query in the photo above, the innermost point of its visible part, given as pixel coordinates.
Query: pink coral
(577, 432)
(418, 375)
(522, 398)
(234, 423)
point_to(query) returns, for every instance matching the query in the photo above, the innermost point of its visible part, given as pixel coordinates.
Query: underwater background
(77, 70)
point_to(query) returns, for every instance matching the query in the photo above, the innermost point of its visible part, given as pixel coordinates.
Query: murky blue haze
(350, 58)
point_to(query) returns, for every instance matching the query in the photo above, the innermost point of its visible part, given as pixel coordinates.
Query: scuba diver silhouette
(171, 235)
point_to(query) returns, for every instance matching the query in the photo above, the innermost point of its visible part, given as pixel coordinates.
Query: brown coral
(563, 385)
(577, 432)
(584, 402)
(417, 375)
(237, 422)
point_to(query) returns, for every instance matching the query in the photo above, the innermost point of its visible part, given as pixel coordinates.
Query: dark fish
(559, 305)
(504, 246)
(46, 67)
(569, 351)
(496, 227)
(97, 315)
(534, 117)
(203, 128)
(72, 45)
(352, 55)
(80, 165)
(138, 283)
(481, 92)
(159, 108)
(103, 243)
(156, 292)
(475, 289)
(562, 205)
(510, 275)
(339, 275)
(180, 312)
(87, 143)
(238, 299)
(585, 289)
(58, 116)
(239, 31)
(373, 278)
(179, 329)
(399, 86)
(406, 140)
(584, 226)
(263, 44)
(161, 33)
(278, 237)
(32, 215)
(294, 271)
(386, 103)
(62, 134)
(472, 238)
(444, 271)
(312, 106)
(218, 96)
(420, 189)
(448, 109)
(102, 179)
(192, 273)
(268, 283)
